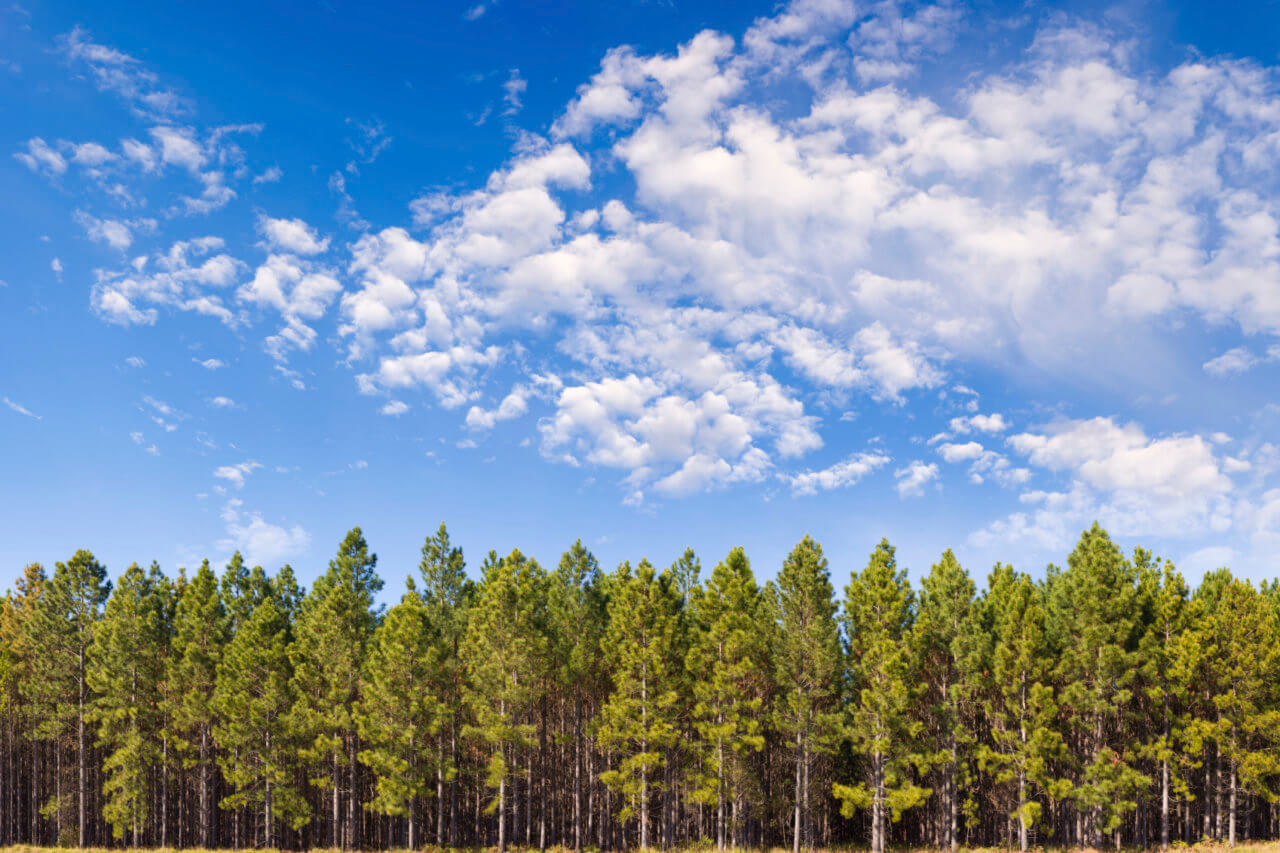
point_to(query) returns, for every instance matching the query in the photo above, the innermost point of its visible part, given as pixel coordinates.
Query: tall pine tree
(878, 615)
(808, 670)
(638, 721)
(335, 623)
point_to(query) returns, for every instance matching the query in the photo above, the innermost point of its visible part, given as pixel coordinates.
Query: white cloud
(210, 363)
(260, 541)
(513, 89)
(170, 279)
(272, 175)
(235, 474)
(983, 463)
(981, 423)
(1111, 457)
(135, 361)
(966, 452)
(121, 74)
(845, 473)
(513, 405)
(40, 157)
(1239, 360)
(913, 478)
(116, 233)
(20, 409)
(746, 263)
(292, 235)
(300, 290)
(91, 154)
(222, 402)
(1135, 485)
(395, 408)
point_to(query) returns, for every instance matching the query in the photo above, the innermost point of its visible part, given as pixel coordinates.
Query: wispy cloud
(20, 409)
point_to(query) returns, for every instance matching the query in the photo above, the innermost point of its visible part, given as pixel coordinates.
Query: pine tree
(1167, 681)
(808, 664)
(19, 661)
(201, 630)
(1095, 627)
(946, 600)
(1010, 656)
(727, 659)
(59, 690)
(878, 615)
(125, 674)
(447, 594)
(335, 623)
(501, 652)
(576, 616)
(638, 720)
(398, 713)
(1239, 637)
(252, 701)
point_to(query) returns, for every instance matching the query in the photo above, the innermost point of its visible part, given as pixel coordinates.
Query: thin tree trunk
(795, 832)
(81, 758)
(333, 829)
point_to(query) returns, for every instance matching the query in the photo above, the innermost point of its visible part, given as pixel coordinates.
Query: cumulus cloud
(236, 474)
(912, 479)
(292, 235)
(1136, 485)
(714, 268)
(513, 405)
(260, 541)
(190, 276)
(40, 157)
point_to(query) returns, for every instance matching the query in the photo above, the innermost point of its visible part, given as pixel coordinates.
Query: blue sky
(647, 274)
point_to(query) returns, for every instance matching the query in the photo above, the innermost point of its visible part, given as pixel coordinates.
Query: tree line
(1105, 703)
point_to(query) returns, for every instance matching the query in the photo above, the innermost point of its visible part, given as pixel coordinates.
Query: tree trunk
(81, 758)
(795, 833)
(577, 770)
(644, 769)
(1231, 824)
(440, 790)
(353, 825)
(720, 789)
(333, 829)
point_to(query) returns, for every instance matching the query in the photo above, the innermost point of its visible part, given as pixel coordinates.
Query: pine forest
(1103, 703)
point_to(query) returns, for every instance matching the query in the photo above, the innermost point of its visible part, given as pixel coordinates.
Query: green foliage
(638, 722)
(397, 713)
(1104, 703)
(126, 672)
(878, 614)
(252, 700)
(335, 623)
(728, 652)
(503, 652)
(1094, 627)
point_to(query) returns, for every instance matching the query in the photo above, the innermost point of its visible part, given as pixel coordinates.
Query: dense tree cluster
(1104, 703)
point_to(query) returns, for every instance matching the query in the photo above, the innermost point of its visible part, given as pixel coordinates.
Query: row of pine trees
(1104, 703)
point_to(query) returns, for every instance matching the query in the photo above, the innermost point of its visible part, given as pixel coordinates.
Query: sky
(651, 275)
